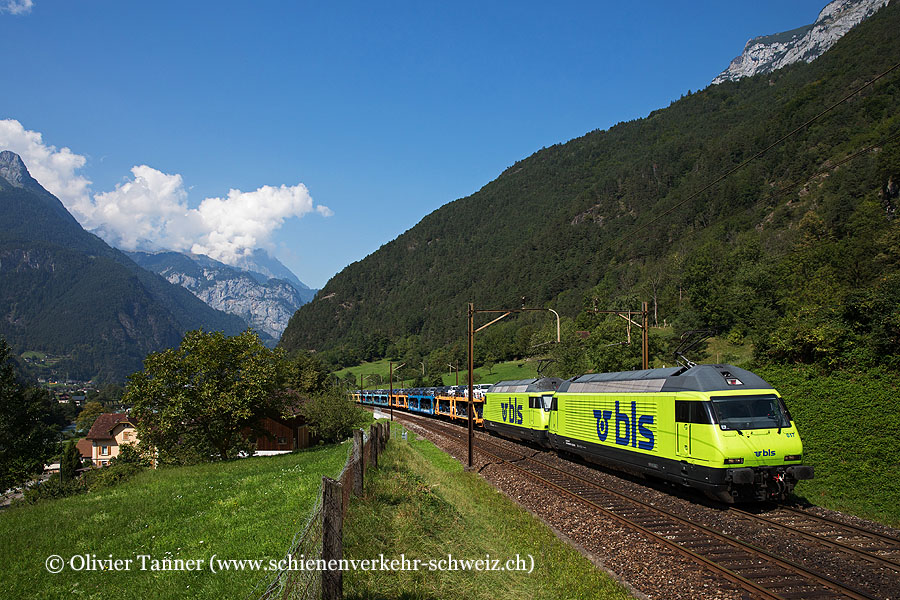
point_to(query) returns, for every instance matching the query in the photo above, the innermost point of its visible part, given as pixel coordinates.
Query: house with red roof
(85, 449)
(108, 434)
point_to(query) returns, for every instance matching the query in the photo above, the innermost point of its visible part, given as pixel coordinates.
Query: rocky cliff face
(266, 304)
(769, 53)
(13, 170)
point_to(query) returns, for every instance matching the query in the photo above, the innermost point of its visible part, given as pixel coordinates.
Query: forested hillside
(798, 250)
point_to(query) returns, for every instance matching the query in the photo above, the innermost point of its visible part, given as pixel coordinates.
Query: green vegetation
(516, 369)
(848, 422)
(206, 399)
(333, 415)
(235, 510)
(420, 503)
(68, 294)
(792, 253)
(26, 433)
(87, 416)
(194, 401)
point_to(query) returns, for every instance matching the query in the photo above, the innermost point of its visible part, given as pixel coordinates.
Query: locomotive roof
(701, 378)
(545, 384)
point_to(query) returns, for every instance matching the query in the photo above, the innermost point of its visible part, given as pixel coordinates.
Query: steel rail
(811, 576)
(844, 547)
(861, 530)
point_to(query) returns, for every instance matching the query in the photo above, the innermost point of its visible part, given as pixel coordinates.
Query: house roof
(84, 448)
(105, 423)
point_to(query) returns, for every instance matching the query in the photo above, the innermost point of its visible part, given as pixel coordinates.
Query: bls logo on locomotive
(626, 428)
(513, 410)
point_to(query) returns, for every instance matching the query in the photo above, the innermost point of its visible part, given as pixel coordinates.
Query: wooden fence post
(332, 539)
(358, 462)
(373, 440)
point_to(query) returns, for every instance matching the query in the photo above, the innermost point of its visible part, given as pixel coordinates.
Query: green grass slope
(420, 503)
(245, 509)
(848, 423)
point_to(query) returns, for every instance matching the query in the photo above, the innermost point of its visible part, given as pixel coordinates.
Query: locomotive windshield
(750, 412)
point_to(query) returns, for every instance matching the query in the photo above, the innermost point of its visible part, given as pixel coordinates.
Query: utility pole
(472, 331)
(644, 326)
(391, 385)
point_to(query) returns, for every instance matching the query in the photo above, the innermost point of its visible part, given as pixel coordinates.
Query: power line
(756, 156)
(760, 153)
(840, 163)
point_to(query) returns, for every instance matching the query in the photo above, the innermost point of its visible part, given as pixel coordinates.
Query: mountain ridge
(68, 293)
(768, 53)
(265, 303)
(558, 227)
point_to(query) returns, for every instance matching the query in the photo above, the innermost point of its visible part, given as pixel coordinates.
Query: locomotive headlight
(793, 457)
(735, 461)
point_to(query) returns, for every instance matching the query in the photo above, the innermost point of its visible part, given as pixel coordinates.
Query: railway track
(761, 573)
(873, 547)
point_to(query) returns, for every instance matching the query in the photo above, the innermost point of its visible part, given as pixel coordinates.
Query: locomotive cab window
(750, 412)
(784, 407)
(548, 403)
(693, 412)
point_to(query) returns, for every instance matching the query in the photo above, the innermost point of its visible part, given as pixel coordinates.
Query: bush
(129, 454)
(91, 481)
(52, 489)
(105, 477)
(333, 416)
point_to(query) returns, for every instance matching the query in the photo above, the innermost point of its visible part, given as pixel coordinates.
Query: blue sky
(382, 111)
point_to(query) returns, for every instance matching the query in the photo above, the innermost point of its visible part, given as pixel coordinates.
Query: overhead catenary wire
(760, 153)
(618, 241)
(825, 169)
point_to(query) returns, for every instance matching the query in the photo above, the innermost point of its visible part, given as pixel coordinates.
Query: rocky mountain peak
(13, 170)
(771, 52)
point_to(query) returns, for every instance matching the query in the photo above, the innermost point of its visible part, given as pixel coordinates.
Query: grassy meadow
(244, 509)
(375, 374)
(422, 504)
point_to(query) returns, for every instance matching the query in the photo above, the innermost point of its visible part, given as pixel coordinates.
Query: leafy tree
(130, 454)
(26, 441)
(333, 416)
(306, 375)
(110, 394)
(192, 402)
(70, 461)
(87, 416)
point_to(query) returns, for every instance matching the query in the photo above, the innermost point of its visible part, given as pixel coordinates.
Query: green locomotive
(717, 428)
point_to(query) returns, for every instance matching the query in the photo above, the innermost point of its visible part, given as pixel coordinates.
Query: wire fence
(320, 537)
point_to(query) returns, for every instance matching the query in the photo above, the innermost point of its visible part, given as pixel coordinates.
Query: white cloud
(245, 220)
(147, 212)
(150, 211)
(16, 7)
(54, 169)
